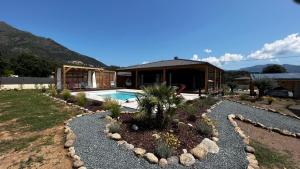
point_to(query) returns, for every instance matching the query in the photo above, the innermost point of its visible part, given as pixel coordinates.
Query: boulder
(163, 163)
(69, 143)
(151, 158)
(128, 146)
(173, 160)
(70, 136)
(139, 151)
(115, 136)
(82, 168)
(121, 142)
(199, 152)
(134, 127)
(210, 145)
(249, 149)
(78, 163)
(187, 159)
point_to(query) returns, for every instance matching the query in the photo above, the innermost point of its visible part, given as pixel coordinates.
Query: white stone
(129, 146)
(115, 136)
(210, 145)
(139, 151)
(151, 158)
(78, 163)
(173, 160)
(163, 163)
(187, 159)
(199, 152)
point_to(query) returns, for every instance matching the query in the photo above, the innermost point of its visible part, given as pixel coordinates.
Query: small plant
(114, 127)
(113, 106)
(204, 126)
(81, 99)
(192, 111)
(269, 99)
(166, 145)
(53, 91)
(243, 97)
(205, 102)
(66, 94)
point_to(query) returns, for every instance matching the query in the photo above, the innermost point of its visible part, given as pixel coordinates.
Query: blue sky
(130, 32)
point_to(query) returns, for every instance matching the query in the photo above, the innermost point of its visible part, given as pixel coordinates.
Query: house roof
(26, 80)
(165, 63)
(276, 76)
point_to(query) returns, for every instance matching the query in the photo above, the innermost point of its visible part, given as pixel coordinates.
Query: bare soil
(283, 144)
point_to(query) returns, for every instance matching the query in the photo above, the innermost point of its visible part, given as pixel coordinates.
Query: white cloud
(219, 60)
(288, 46)
(207, 50)
(145, 62)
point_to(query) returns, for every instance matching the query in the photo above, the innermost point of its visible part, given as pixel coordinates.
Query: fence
(25, 82)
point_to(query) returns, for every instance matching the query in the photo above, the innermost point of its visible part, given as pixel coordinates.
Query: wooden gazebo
(80, 77)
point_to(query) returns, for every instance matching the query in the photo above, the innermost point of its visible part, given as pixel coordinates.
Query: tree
(274, 69)
(28, 65)
(3, 65)
(263, 85)
(297, 1)
(232, 86)
(160, 101)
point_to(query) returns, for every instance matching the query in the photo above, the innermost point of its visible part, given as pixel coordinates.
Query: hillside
(13, 42)
(259, 68)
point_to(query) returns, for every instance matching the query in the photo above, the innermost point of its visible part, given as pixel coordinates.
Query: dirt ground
(275, 141)
(44, 153)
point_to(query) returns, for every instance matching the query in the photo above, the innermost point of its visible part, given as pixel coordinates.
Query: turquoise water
(120, 95)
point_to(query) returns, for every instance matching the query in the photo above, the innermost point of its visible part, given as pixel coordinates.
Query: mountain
(13, 42)
(259, 68)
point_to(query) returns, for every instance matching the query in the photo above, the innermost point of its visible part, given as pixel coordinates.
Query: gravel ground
(99, 152)
(267, 118)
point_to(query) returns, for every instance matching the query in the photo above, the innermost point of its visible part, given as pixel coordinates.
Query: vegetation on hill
(14, 42)
(274, 69)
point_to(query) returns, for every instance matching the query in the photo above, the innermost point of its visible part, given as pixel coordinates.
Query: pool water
(120, 95)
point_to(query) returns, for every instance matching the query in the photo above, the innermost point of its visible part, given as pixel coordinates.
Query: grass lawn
(270, 159)
(29, 112)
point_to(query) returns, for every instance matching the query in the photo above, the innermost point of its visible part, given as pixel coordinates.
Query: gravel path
(99, 152)
(267, 118)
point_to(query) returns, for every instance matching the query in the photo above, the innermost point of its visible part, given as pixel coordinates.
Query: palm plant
(159, 102)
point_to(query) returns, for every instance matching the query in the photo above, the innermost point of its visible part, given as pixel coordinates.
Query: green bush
(192, 110)
(243, 97)
(205, 102)
(66, 94)
(81, 99)
(204, 126)
(113, 106)
(114, 127)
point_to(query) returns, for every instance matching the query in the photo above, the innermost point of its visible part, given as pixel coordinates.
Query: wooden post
(136, 79)
(64, 78)
(215, 80)
(206, 79)
(164, 75)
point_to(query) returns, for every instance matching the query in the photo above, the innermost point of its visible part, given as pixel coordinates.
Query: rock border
(70, 136)
(253, 163)
(262, 108)
(186, 159)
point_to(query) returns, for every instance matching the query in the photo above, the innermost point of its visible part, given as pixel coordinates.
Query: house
(79, 77)
(287, 81)
(194, 75)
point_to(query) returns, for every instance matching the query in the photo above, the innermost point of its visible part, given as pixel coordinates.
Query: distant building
(194, 75)
(287, 81)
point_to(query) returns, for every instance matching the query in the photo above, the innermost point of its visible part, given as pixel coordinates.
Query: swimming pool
(118, 95)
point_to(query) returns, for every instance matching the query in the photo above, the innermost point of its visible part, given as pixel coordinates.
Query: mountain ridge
(14, 42)
(258, 68)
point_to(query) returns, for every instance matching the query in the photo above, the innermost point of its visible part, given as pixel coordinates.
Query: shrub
(263, 84)
(205, 102)
(81, 99)
(113, 106)
(192, 110)
(270, 99)
(52, 91)
(114, 127)
(160, 101)
(244, 97)
(166, 145)
(66, 94)
(204, 126)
